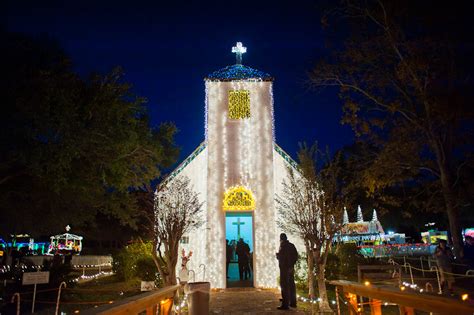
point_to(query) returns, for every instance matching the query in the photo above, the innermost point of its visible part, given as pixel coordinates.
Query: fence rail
(155, 302)
(407, 301)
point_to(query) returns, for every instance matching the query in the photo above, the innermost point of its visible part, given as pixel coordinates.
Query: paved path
(247, 301)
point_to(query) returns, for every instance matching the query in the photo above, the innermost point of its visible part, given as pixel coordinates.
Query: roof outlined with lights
(238, 72)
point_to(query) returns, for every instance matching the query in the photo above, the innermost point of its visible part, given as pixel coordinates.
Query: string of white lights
(238, 152)
(217, 177)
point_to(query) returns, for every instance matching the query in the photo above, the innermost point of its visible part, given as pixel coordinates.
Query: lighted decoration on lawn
(65, 243)
(345, 218)
(184, 272)
(238, 198)
(361, 232)
(360, 218)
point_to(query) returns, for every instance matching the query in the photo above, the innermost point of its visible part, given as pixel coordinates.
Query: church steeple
(240, 146)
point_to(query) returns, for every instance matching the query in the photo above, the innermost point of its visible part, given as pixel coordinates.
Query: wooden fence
(154, 302)
(406, 301)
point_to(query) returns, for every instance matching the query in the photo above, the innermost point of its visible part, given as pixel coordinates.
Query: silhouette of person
(287, 257)
(243, 251)
(444, 257)
(228, 253)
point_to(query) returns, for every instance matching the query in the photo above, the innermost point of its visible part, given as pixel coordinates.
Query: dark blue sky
(166, 49)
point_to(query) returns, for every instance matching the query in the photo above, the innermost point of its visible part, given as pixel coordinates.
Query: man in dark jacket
(242, 251)
(287, 257)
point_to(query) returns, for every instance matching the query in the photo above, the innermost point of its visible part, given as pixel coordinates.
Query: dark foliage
(71, 148)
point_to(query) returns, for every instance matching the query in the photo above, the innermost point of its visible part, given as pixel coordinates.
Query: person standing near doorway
(243, 250)
(287, 257)
(228, 251)
(247, 263)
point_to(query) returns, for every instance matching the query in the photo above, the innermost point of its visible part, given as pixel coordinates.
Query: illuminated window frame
(239, 104)
(238, 198)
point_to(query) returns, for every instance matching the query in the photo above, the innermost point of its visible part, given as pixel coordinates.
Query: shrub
(349, 258)
(301, 272)
(135, 262)
(333, 266)
(146, 271)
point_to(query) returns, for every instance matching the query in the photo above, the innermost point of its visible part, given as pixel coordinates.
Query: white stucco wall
(196, 172)
(281, 174)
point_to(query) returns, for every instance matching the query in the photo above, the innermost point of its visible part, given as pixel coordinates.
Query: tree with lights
(177, 210)
(311, 206)
(404, 74)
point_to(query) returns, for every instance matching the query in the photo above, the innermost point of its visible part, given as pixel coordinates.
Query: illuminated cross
(238, 223)
(238, 49)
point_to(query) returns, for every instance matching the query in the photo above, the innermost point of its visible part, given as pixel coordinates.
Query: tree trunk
(447, 189)
(323, 296)
(452, 211)
(171, 276)
(310, 260)
(171, 261)
(158, 261)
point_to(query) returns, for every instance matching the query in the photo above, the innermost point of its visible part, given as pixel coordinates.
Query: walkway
(247, 301)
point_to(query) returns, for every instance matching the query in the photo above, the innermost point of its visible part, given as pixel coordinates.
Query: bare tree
(177, 211)
(311, 206)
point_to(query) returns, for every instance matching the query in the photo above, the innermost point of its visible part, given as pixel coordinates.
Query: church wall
(281, 175)
(196, 172)
(240, 152)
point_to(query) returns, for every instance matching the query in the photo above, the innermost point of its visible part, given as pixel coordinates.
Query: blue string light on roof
(238, 71)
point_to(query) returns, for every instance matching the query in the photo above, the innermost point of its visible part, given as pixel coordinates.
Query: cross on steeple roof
(238, 50)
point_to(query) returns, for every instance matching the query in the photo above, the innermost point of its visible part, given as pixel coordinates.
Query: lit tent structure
(66, 242)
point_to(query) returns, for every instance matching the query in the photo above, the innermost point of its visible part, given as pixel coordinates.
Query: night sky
(167, 48)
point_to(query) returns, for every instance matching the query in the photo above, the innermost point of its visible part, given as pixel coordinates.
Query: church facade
(237, 171)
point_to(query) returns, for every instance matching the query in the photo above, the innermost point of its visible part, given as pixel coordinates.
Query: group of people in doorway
(244, 258)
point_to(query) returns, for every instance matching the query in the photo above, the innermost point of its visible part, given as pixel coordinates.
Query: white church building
(237, 171)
